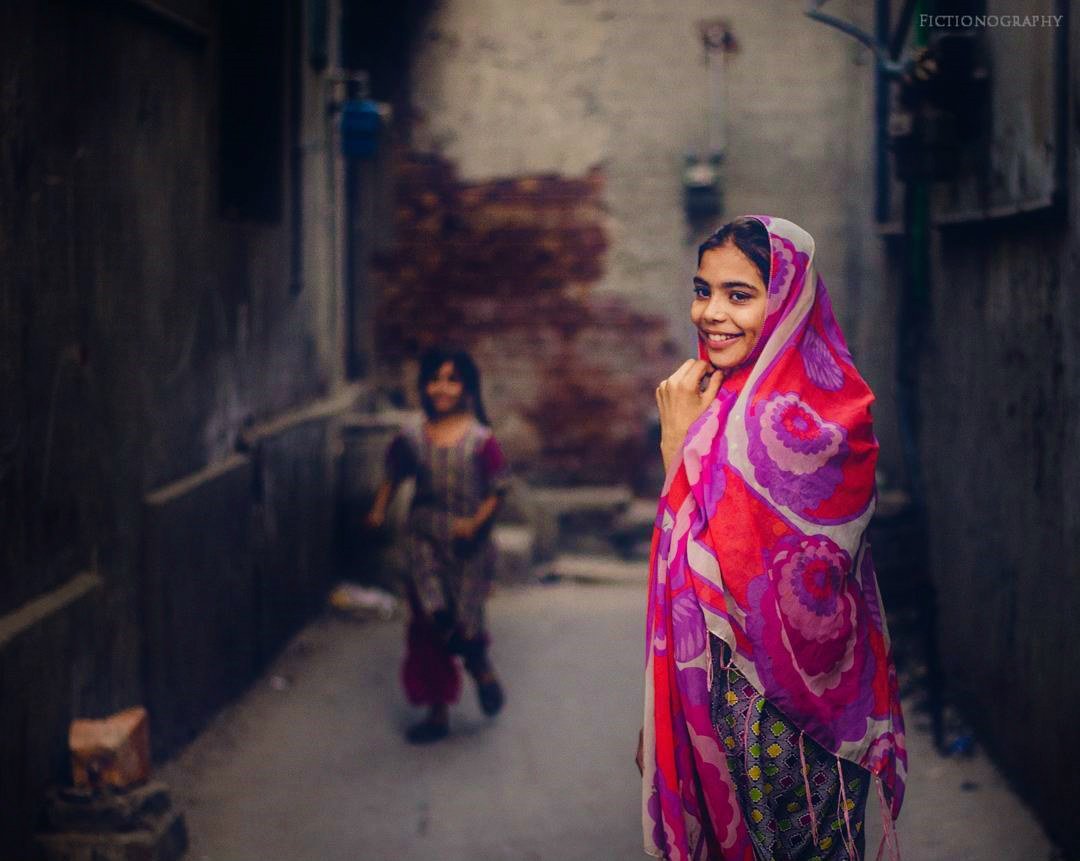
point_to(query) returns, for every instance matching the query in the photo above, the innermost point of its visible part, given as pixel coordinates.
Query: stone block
(69, 809)
(114, 751)
(164, 840)
(631, 532)
(584, 517)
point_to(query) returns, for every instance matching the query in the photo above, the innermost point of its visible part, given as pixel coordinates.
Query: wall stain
(509, 268)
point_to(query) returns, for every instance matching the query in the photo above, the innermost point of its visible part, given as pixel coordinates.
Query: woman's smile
(729, 306)
(720, 340)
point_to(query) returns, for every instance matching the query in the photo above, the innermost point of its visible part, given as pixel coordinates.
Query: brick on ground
(114, 751)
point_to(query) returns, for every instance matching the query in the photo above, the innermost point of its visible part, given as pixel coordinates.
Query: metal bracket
(887, 63)
(344, 84)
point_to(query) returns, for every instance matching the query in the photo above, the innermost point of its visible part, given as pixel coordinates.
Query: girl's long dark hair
(463, 363)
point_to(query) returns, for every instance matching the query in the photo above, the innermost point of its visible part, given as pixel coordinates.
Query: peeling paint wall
(508, 269)
(618, 90)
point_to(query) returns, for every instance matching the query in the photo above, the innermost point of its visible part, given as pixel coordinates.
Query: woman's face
(729, 305)
(445, 390)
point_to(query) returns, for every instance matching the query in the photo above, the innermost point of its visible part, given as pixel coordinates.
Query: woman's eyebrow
(740, 285)
(726, 285)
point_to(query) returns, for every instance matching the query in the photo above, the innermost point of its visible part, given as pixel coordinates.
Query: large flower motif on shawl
(809, 576)
(797, 455)
(808, 624)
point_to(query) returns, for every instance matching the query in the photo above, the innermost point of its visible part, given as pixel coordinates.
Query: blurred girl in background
(461, 475)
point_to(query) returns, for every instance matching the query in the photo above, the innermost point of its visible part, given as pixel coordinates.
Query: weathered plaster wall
(618, 89)
(507, 267)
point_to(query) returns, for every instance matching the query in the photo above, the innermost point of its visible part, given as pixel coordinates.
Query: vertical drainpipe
(354, 352)
(912, 314)
(296, 150)
(912, 320)
(882, 202)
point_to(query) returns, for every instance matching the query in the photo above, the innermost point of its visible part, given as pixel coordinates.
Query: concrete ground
(310, 764)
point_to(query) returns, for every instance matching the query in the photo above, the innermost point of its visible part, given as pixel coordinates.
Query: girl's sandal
(427, 731)
(490, 694)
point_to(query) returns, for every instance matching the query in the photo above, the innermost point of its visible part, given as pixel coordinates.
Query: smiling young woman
(770, 693)
(728, 310)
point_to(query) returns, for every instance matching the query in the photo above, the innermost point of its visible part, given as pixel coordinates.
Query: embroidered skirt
(800, 802)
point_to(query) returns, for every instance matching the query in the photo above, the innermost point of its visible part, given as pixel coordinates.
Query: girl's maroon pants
(431, 674)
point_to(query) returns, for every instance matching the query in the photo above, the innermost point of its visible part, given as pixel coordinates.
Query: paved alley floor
(313, 766)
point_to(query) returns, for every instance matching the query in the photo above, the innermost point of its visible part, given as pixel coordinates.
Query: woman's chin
(724, 361)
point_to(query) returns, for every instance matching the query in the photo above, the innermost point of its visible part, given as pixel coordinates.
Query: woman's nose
(716, 309)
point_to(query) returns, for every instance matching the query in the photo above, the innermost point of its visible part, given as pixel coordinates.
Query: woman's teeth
(721, 339)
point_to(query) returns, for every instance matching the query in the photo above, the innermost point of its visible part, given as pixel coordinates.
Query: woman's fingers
(713, 387)
(687, 375)
(684, 371)
(688, 379)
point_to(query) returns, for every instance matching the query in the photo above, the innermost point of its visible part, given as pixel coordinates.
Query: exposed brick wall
(508, 268)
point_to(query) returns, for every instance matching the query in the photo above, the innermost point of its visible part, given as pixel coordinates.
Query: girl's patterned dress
(449, 579)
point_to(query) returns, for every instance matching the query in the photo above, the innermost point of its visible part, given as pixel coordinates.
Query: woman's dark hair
(749, 236)
(435, 358)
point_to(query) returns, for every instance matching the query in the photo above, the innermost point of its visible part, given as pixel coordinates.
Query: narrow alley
(303, 298)
(315, 766)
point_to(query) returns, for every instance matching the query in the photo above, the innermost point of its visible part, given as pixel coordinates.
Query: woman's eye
(739, 296)
(701, 292)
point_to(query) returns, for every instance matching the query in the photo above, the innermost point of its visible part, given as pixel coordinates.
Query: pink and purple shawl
(760, 538)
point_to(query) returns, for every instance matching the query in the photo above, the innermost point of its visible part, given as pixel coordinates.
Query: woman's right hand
(681, 401)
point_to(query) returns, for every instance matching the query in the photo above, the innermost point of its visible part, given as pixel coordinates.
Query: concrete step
(515, 546)
(578, 519)
(631, 533)
(589, 568)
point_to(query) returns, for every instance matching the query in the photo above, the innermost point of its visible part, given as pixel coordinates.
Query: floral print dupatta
(760, 538)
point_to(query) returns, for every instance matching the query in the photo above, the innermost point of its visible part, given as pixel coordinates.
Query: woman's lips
(717, 344)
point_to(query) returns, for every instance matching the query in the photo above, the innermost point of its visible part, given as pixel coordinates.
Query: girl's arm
(469, 527)
(486, 511)
(377, 516)
(493, 468)
(400, 464)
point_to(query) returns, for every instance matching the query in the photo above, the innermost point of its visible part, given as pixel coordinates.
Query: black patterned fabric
(762, 748)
